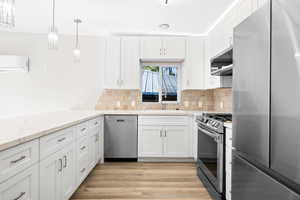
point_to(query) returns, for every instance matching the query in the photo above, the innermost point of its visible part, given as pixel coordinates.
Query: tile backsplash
(210, 100)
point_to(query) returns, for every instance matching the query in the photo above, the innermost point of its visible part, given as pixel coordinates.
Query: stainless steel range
(211, 152)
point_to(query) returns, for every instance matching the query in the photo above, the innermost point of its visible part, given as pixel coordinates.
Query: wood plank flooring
(139, 181)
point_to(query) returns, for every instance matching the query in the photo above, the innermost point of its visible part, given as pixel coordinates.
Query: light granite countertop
(15, 131)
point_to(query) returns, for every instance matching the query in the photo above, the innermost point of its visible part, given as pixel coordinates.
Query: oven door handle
(215, 136)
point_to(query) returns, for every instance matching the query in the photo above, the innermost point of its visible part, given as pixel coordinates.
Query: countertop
(228, 125)
(15, 131)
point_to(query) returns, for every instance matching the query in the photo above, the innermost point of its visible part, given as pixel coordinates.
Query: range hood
(224, 71)
(222, 64)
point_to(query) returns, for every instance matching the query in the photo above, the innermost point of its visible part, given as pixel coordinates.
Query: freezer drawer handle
(18, 160)
(20, 196)
(120, 120)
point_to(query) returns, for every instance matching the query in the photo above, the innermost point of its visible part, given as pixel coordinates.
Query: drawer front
(83, 129)
(23, 186)
(95, 122)
(83, 169)
(56, 141)
(18, 158)
(83, 147)
(163, 120)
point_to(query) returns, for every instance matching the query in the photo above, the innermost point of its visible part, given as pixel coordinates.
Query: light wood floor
(138, 181)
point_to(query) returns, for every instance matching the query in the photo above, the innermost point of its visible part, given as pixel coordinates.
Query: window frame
(160, 66)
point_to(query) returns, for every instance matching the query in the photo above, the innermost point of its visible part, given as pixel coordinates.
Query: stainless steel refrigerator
(266, 111)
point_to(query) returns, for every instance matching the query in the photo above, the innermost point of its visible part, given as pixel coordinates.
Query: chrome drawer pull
(60, 165)
(82, 148)
(62, 139)
(83, 129)
(82, 170)
(66, 161)
(18, 160)
(20, 196)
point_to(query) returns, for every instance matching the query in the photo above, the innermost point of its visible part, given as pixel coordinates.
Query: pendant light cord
(53, 15)
(77, 34)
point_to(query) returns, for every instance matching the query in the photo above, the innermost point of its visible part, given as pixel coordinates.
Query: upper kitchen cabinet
(112, 69)
(174, 47)
(122, 68)
(130, 63)
(156, 48)
(193, 68)
(151, 47)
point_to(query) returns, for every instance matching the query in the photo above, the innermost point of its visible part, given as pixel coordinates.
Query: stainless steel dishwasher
(120, 137)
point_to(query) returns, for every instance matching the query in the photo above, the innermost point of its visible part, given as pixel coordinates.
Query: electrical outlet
(132, 103)
(186, 104)
(221, 104)
(118, 104)
(200, 104)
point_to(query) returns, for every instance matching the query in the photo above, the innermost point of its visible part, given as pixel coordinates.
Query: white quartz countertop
(15, 131)
(151, 112)
(228, 125)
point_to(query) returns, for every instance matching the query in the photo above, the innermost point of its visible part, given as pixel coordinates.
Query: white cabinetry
(24, 185)
(194, 65)
(112, 68)
(228, 162)
(156, 48)
(176, 141)
(53, 166)
(151, 48)
(57, 175)
(163, 137)
(150, 141)
(130, 63)
(122, 63)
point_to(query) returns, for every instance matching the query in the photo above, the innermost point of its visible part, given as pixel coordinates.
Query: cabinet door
(193, 68)
(68, 175)
(22, 186)
(210, 81)
(174, 47)
(113, 63)
(130, 62)
(150, 141)
(176, 141)
(50, 177)
(151, 48)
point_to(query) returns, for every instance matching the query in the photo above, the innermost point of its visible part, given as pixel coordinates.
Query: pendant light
(7, 13)
(76, 51)
(53, 33)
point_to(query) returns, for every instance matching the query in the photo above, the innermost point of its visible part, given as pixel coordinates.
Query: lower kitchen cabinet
(150, 141)
(22, 186)
(57, 175)
(176, 141)
(53, 166)
(165, 139)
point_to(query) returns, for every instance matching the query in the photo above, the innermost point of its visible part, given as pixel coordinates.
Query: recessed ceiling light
(164, 26)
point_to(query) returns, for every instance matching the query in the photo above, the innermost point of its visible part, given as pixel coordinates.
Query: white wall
(55, 81)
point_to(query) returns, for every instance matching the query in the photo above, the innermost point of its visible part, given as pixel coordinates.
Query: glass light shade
(53, 38)
(7, 13)
(77, 54)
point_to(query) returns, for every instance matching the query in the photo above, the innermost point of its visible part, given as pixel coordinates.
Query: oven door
(211, 157)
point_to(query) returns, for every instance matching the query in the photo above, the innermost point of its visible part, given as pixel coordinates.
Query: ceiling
(101, 17)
